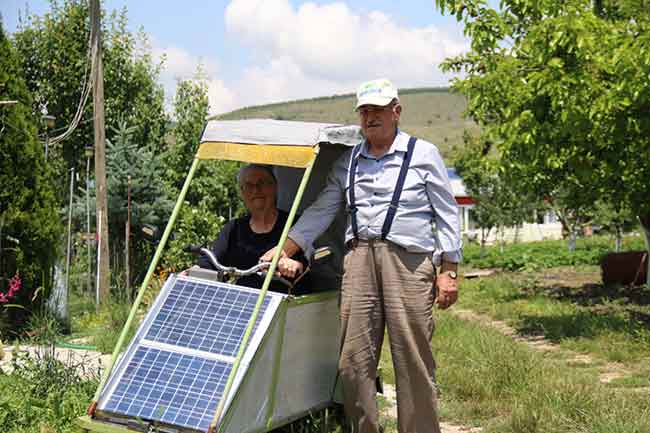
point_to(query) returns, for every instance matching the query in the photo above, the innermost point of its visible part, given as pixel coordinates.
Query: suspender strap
(351, 175)
(392, 209)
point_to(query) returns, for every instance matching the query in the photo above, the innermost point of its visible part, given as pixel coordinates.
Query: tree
(565, 92)
(213, 194)
(499, 201)
(29, 224)
(149, 201)
(614, 217)
(54, 52)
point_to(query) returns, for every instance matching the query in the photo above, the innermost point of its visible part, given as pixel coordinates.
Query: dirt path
(607, 372)
(89, 363)
(391, 412)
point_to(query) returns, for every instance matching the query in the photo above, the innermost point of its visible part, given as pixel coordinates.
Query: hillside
(434, 114)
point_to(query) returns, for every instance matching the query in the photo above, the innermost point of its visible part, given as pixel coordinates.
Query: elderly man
(402, 222)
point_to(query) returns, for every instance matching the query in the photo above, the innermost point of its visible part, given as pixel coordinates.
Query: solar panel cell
(170, 387)
(176, 373)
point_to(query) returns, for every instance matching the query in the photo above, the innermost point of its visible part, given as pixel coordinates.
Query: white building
(546, 226)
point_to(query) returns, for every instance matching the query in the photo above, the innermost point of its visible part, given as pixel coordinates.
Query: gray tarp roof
(280, 132)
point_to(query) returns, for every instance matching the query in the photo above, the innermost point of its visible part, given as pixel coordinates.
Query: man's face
(378, 123)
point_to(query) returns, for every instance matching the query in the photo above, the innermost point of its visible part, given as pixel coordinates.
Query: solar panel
(177, 366)
(204, 317)
(170, 387)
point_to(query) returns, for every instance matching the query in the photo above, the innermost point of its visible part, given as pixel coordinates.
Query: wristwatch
(452, 274)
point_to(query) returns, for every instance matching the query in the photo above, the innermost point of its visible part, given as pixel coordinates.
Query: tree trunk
(645, 227)
(501, 239)
(573, 236)
(516, 237)
(483, 237)
(619, 238)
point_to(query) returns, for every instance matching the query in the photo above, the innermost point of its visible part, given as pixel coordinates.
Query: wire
(85, 92)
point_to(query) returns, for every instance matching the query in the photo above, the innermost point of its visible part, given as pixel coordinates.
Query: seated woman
(243, 240)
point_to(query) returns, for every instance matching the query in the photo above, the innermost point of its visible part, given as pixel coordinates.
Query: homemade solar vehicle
(216, 357)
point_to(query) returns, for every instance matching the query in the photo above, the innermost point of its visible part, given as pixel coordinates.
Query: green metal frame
(277, 364)
(143, 287)
(88, 423)
(265, 286)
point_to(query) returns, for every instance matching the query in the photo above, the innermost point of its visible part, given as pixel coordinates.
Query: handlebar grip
(194, 249)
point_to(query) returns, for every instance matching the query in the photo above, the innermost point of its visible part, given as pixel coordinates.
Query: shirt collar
(400, 144)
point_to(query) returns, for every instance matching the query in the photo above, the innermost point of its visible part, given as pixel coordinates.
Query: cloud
(333, 43)
(282, 79)
(180, 64)
(311, 50)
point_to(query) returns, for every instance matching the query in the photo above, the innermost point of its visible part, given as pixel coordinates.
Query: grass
(100, 328)
(488, 379)
(589, 318)
(44, 395)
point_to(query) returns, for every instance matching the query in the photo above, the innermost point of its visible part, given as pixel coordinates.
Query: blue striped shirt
(427, 215)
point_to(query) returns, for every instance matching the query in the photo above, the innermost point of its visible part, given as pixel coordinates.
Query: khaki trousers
(386, 286)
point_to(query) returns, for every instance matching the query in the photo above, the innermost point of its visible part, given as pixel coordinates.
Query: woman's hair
(244, 169)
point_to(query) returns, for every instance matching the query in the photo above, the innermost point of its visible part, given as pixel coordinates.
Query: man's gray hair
(248, 167)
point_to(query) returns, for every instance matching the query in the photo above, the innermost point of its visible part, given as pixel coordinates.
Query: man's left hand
(447, 291)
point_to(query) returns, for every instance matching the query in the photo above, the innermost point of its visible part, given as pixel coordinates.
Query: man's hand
(290, 248)
(447, 290)
(290, 268)
(268, 256)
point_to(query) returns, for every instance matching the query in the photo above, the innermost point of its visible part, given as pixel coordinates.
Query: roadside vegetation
(531, 256)
(487, 379)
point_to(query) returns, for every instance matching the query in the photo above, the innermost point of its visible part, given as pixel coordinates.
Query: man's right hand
(290, 248)
(286, 266)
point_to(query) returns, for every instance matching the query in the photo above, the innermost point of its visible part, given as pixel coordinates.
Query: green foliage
(544, 254)
(564, 92)
(54, 51)
(29, 224)
(43, 394)
(196, 225)
(190, 109)
(499, 201)
(213, 195)
(143, 163)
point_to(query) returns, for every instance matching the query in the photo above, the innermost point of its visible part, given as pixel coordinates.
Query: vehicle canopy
(289, 146)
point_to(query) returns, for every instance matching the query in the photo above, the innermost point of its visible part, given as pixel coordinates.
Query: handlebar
(230, 270)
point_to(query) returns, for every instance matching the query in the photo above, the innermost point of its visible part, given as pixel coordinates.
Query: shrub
(43, 394)
(29, 224)
(532, 256)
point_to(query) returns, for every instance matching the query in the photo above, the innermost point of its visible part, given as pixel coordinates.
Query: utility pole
(103, 266)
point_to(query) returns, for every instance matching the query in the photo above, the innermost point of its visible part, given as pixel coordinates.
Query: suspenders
(392, 209)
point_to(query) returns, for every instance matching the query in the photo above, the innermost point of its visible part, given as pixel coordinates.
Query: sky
(261, 51)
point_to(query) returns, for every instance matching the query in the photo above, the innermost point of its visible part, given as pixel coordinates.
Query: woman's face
(258, 190)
